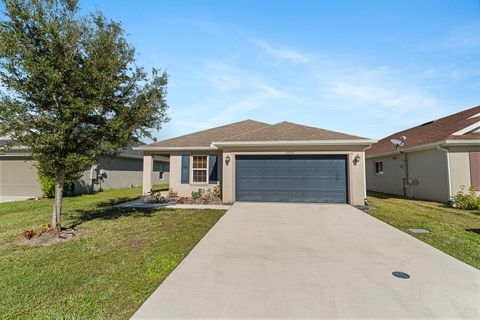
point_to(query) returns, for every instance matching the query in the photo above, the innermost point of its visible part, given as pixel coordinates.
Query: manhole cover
(401, 275)
(419, 230)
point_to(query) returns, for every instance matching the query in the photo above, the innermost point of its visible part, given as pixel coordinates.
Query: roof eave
(351, 142)
(443, 143)
(129, 156)
(153, 148)
(461, 142)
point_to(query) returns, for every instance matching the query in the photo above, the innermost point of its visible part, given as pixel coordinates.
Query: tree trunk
(57, 208)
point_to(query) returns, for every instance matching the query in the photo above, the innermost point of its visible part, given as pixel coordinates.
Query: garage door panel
(291, 178)
(253, 182)
(18, 178)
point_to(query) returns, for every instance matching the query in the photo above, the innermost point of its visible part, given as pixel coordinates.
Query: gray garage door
(18, 178)
(295, 178)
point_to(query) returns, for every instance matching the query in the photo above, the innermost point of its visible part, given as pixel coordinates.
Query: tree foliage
(71, 91)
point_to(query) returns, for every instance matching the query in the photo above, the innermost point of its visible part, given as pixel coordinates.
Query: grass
(107, 273)
(160, 187)
(453, 231)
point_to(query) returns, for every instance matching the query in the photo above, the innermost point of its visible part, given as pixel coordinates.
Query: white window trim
(191, 170)
(380, 172)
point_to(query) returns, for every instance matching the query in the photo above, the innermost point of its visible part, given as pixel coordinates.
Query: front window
(379, 167)
(199, 169)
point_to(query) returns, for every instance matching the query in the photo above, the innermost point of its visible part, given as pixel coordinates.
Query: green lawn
(454, 231)
(107, 273)
(160, 187)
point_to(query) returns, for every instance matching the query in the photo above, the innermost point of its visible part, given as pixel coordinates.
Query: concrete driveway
(13, 198)
(313, 261)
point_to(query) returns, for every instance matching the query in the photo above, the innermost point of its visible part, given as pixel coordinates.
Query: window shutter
(475, 170)
(185, 168)
(213, 168)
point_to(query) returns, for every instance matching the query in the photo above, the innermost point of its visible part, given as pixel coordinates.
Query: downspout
(449, 182)
(365, 200)
(405, 180)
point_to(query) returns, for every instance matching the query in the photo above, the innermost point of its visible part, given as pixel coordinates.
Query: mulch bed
(51, 237)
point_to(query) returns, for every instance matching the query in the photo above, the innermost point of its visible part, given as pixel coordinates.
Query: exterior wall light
(227, 160)
(357, 158)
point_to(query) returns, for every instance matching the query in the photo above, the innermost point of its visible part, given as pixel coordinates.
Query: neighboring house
(436, 160)
(255, 161)
(18, 175)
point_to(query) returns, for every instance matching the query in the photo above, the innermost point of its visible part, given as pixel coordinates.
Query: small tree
(70, 89)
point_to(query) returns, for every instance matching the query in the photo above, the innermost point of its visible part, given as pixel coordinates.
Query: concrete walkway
(141, 203)
(313, 261)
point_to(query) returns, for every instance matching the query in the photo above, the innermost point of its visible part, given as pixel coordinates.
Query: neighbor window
(199, 169)
(378, 167)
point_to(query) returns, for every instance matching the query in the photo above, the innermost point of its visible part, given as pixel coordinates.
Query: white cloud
(370, 100)
(233, 93)
(225, 82)
(280, 54)
(254, 94)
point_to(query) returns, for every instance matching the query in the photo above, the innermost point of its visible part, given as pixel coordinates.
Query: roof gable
(446, 128)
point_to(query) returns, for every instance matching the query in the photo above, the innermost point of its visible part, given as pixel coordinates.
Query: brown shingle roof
(287, 131)
(204, 138)
(431, 132)
(250, 130)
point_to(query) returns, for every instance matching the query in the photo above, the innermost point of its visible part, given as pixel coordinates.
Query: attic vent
(426, 123)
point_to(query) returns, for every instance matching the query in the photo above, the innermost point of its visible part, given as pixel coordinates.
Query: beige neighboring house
(18, 175)
(436, 160)
(256, 161)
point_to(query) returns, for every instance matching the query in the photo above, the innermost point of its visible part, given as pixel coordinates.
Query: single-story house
(256, 161)
(433, 160)
(18, 174)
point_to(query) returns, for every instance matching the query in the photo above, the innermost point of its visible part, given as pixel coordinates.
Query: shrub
(197, 194)
(47, 185)
(207, 196)
(467, 201)
(28, 234)
(172, 193)
(217, 191)
(181, 200)
(45, 228)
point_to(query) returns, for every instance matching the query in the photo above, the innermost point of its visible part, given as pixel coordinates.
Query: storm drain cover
(419, 230)
(401, 275)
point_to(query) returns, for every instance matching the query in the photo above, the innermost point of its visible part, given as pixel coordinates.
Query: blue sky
(363, 67)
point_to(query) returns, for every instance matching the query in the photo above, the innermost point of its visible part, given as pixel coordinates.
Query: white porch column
(147, 173)
(228, 180)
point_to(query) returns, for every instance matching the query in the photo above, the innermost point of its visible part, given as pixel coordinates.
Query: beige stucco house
(256, 161)
(18, 174)
(436, 159)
